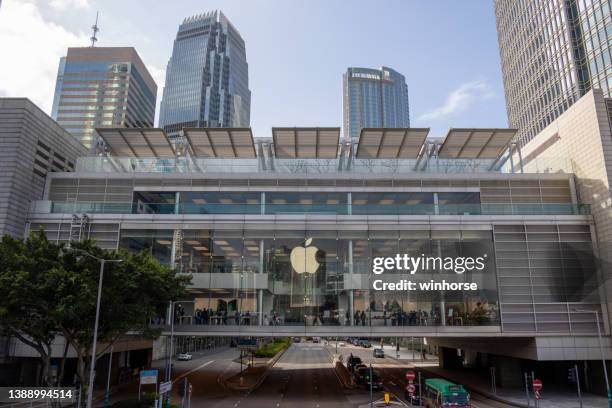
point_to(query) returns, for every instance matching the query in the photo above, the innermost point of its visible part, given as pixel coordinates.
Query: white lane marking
(195, 369)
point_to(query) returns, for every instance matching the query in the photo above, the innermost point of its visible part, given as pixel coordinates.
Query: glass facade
(102, 87)
(335, 287)
(552, 53)
(207, 77)
(374, 98)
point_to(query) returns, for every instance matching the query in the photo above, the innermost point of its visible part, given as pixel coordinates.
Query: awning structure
(391, 143)
(476, 143)
(305, 143)
(137, 142)
(220, 142)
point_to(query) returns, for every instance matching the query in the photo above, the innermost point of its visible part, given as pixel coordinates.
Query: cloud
(66, 4)
(33, 46)
(459, 100)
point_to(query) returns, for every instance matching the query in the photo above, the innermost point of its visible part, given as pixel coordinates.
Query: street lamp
(603, 359)
(95, 334)
(169, 368)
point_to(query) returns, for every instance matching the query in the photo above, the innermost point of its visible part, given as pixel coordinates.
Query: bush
(147, 400)
(272, 348)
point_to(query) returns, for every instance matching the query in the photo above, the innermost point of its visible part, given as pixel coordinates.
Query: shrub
(272, 348)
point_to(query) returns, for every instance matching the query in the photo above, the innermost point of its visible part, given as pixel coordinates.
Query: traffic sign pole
(420, 390)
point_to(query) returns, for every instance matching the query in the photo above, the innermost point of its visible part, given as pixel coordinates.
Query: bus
(439, 393)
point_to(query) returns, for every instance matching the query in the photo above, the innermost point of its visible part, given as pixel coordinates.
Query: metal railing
(323, 209)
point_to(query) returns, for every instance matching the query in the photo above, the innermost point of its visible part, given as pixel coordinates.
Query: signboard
(537, 385)
(247, 344)
(411, 389)
(148, 377)
(410, 376)
(165, 387)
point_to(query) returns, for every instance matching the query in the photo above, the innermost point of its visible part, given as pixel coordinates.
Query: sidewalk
(552, 397)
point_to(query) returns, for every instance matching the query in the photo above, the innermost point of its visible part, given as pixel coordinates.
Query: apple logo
(304, 259)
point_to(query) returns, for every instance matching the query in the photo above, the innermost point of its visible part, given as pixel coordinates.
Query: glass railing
(322, 209)
(357, 166)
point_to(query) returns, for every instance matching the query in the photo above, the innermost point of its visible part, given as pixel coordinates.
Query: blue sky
(296, 50)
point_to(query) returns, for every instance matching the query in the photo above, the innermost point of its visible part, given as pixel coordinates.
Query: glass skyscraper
(552, 53)
(207, 82)
(103, 87)
(374, 98)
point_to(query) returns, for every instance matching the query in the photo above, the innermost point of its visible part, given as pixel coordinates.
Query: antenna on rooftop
(95, 30)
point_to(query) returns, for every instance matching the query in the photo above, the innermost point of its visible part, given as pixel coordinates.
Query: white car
(184, 357)
(341, 344)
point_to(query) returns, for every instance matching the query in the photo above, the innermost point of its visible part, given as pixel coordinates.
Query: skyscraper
(552, 53)
(207, 81)
(374, 98)
(103, 87)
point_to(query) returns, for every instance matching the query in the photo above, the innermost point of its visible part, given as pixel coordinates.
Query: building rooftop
(308, 150)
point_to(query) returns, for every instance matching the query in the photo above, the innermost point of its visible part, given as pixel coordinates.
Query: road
(393, 371)
(303, 377)
(204, 373)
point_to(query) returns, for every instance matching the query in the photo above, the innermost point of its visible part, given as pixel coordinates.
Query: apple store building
(304, 233)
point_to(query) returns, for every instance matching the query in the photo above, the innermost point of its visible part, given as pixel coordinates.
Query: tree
(52, 289)
(26, 299)
(134, 291)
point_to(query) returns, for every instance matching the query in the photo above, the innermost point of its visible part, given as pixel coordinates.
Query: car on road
(316, 339)
(360, 373)
(297, 340)
(184, 357)
(377, 384)
(379, 353)
(352, 362)
(365, 343)
(342, 344)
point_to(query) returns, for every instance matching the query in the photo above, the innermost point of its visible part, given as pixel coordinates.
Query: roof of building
(137, 142)
(307, 143)
(476, 143)
(391, 143)
(220, 142)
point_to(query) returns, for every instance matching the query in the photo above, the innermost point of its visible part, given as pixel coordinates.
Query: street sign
(411, 389)
(410, 376)
(537, 394)
(165, 387)
(148, 377)
(537, 385)
(247, 344)
(190, 388)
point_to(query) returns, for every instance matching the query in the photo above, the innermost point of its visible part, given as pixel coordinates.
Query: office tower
(33, 145)
(207, 82)
(374, 98)
(103, 87)
(552, 53)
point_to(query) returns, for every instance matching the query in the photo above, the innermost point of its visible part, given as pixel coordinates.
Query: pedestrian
(363, 318)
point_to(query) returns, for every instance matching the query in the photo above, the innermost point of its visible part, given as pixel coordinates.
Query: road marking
(195, 369)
